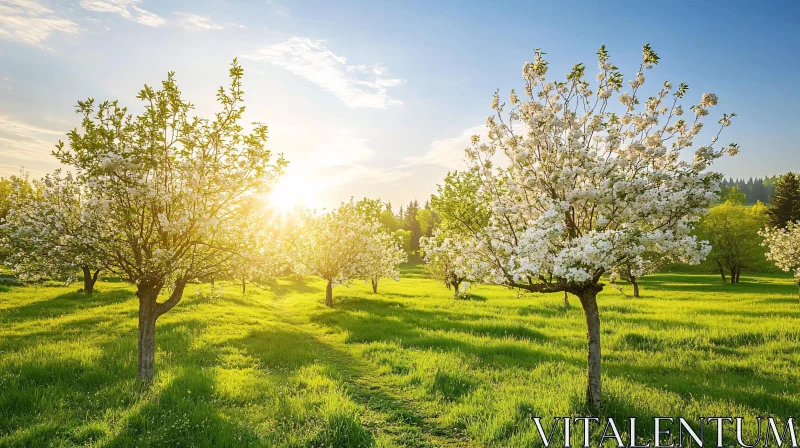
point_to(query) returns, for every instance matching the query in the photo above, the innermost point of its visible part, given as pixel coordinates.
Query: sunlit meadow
(409, 366)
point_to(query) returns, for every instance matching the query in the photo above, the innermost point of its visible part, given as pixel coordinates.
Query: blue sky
(378, 98)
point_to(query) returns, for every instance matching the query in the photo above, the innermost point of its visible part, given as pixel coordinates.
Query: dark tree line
(755, 189)
(419, 221)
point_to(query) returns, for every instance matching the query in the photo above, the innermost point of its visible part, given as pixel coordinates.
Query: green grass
(408, 366)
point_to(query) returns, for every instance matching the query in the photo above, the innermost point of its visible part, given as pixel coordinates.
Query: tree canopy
(586, 188)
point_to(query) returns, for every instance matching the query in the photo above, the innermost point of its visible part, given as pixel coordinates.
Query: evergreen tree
(785, 202)
(757, 191)
(409, 222)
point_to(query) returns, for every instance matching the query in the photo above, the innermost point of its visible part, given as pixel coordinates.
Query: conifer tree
(785, 202)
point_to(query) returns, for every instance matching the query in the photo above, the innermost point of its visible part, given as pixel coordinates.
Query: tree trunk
(593, 387)
(566, 301)
(635, 284)
(147, 335)
(329, 294)
(244, 285)
(374, 285)
(456, 285)
(722, 272)
(89, 280)
(798, 289)
(149, 311)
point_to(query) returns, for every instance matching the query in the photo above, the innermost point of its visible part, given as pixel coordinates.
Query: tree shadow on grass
(412, 329)
(729, 386)
(184, 412)
(294, 284)
(415, 318)
(285, 351)
(281, 349)
(708, 283)
(63, 304)
(78, 387)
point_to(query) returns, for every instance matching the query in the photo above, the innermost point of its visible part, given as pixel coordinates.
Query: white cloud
(127, 9)
(449, 152)
(20, 140)
(31, 23)
(356, 85)
(193, 22)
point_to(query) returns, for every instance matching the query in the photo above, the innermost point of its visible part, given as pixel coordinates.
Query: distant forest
(756, 189)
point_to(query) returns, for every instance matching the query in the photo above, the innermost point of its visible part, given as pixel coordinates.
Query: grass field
(408, 366)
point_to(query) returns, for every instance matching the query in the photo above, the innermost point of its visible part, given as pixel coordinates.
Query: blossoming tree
(48, 232)
(589, 185)
(343, 245)
(382, 254)
(784, 248)
(172, 194)
(386, 252)
(461, 215)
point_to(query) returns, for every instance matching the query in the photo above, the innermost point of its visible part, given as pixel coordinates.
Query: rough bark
(374, 285)
(735, 271)
(456, 286)
(592, 313)
(721, 271)
(89, 279)
(149, 312)
(147, 334)
(635, 284)
(329, 294)
(566, 300)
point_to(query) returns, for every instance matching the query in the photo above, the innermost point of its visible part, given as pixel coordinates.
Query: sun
(290, 192)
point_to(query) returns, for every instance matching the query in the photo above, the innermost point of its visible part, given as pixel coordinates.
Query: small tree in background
(784, 248)
(732, 230)
(633, 270)
(734, 196)
(14, 190)
(172, 196)
(48, 232)
(382, 255)
(440, 263)
(265, 258)
(340, 246)
(460, 214)
(786, 202)
(384, 261)
(588, 189)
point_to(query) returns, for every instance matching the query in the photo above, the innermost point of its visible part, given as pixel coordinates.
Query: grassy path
(400, 421)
